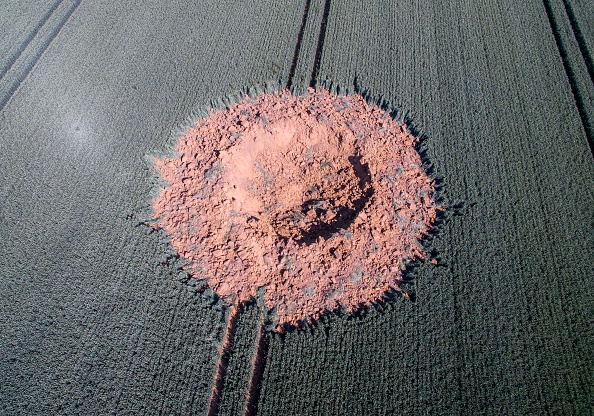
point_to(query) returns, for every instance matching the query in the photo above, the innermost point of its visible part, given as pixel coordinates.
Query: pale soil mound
(319, 199)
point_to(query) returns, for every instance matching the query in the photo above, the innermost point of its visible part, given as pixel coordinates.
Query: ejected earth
(310, 207)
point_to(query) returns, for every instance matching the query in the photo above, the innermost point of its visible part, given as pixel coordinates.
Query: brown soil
(319, 199)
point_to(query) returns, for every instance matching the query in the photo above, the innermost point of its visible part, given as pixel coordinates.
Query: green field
(95, 314)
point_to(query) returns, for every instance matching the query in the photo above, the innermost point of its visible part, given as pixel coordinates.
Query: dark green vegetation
(93, 316)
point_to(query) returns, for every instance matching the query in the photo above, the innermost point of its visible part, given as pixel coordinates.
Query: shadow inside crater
(344, 215)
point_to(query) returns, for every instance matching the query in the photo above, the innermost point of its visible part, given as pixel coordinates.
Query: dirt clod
(319, 199)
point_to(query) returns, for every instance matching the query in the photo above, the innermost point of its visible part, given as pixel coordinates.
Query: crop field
(96, 314)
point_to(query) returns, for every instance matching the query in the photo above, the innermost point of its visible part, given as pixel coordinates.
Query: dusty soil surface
(319, 199)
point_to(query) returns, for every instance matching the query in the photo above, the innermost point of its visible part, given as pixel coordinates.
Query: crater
(320, 200)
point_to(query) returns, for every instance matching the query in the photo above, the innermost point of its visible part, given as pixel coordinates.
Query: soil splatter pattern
(319, 199)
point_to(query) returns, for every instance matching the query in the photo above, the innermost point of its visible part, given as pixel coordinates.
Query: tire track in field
(298, 44)
(258, 365)
(23, 62)
(309, 20)
(580, 102)
(261, 350)
(581, 40)
(297, 78)
(16, 55)
(320, 46)
(226, 351)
